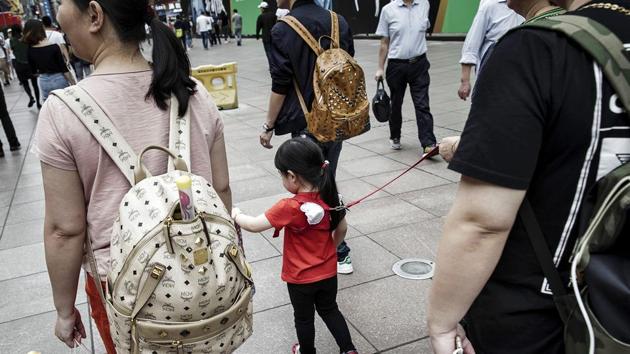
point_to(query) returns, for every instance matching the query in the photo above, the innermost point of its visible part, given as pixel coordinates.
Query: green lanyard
(550, 13)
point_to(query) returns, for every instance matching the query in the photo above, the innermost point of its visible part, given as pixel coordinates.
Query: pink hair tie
(325, 164)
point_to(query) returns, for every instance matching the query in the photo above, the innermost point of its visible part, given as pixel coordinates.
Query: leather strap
(298, 92)
(179, 134)
(101, 128)
(537, 239)
(334, 33)
(94, 269)
(153, 280)
(303, 32)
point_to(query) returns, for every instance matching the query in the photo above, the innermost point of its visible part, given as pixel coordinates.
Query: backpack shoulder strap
(179, 134)
(101, 128)
(334, 33)
(601, 43)
(303, 32)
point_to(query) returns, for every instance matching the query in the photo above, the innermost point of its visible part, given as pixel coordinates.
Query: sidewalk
(386, 314)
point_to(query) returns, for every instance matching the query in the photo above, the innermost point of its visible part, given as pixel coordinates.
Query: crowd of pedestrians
(544, 121)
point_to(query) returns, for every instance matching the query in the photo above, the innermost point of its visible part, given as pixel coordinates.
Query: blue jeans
(51, 82)
(205, 35)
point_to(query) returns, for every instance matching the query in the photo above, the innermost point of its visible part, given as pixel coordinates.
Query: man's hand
(265, 139)
(448, 146)
(464, 90)
(379, 75)
(445, 343)
(70, 328)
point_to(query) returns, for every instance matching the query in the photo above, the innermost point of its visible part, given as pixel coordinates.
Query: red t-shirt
(309, 252)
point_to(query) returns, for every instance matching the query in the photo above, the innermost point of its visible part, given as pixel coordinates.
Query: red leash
(435, 151)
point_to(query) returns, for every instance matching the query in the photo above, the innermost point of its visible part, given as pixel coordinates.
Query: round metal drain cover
(413, 268)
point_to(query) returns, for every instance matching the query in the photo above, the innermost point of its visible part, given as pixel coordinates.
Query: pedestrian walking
(265, 22)
(83, 185)
(46, 59)
(402, 26)
(216, 27)
(225, 25)
(293, 60)
(544, 127)
(204, 26)
(5, 57)
(23, 67)
(493, 19)
(311, 232)
(237, 26)
(7, 125)
(182, 27)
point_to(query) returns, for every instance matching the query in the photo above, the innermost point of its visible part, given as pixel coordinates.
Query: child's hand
(235, 212)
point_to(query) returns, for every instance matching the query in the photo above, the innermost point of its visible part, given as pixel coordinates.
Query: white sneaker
(395, 144)
(345, 266)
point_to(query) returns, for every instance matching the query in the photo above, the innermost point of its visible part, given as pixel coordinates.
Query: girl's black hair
(171, 66)
(304, 157)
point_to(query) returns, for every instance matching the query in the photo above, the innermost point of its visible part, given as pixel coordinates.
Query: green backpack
(596, 307)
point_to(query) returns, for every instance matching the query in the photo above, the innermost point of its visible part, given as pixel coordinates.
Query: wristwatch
(267, 128)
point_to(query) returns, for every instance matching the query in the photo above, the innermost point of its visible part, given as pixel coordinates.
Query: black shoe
(1, 153)
(15, 147)
(31, 102)
(39, 105)
(7, 83)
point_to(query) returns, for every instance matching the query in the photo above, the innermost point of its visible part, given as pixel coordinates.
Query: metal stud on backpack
(174, 286)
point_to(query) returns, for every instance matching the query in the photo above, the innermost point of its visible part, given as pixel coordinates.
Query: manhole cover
(417, 269)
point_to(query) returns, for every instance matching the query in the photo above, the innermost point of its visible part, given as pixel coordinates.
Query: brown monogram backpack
(340, 109)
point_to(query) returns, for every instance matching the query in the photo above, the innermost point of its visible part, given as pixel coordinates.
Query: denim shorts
(51, 82)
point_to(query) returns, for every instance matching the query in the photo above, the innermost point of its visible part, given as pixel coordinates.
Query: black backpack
(381, 104)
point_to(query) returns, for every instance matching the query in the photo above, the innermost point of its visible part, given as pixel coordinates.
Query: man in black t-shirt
(544, 124)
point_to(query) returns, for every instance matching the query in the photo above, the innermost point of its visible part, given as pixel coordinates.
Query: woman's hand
(70, 328)
(448, 146)
(445, 343)
(235, 213)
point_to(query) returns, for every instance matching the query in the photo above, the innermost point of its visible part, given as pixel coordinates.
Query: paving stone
(418, 347)
(27, 233)
(258, 206)
(370, 262)
(28, 296)
(30, 180)
(5, 198)
(29, 194)
(3, 215)
(384, 213)
(22, 261)
(271, 291)
(36, 333)
(261, 187)
(356, 188)
(372, 165)
(437, 200)
(416, 240)
(247, 172)
(388, 312)
(351, 152)
(22, 213)
(274, 332)
(257, 247)
(412, 180)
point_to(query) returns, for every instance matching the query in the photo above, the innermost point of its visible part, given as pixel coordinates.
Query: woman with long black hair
(83, 185)
(23, 68)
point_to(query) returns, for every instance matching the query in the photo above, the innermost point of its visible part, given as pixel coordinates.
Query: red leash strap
(433, 152)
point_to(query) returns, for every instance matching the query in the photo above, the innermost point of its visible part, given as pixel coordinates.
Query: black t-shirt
(545, 119)
(47, 60)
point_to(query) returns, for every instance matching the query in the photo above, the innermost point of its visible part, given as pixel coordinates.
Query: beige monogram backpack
(174, 286)
(340, 108)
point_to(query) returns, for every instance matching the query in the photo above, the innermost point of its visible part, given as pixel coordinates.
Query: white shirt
(405, 27)
(55, 37)
(204, 23)
(493, 19)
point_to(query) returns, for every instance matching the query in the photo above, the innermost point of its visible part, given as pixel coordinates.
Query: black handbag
(381, 104)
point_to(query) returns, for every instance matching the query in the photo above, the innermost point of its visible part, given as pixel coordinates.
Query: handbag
(381, 104)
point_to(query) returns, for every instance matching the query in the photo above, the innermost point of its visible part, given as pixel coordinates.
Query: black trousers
(24, 76)
(267, 46)
(320, 296)
(400, 74)
(9, 130)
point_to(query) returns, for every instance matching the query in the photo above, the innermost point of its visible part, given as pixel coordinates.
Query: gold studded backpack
(340, 108)
(173, 286)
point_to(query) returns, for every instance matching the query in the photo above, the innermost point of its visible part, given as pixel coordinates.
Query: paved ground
(386, 313)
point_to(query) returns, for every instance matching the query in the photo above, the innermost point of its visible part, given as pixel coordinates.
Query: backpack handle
(142, 172)
(333, 42)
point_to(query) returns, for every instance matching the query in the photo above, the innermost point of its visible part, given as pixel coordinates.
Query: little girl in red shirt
(311, 234)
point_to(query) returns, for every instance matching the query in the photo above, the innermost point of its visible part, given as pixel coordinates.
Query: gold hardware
(156, 273)
(203, 270)
(163, 334)
(233, 251)
(198, 242)
(183, 258)
(200, 256)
